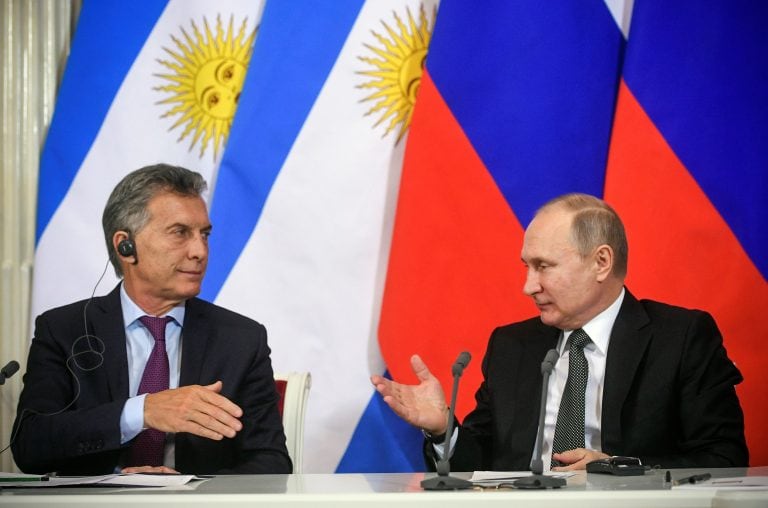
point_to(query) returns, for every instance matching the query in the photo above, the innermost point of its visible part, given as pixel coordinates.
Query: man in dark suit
(659, 384)
(150, 378)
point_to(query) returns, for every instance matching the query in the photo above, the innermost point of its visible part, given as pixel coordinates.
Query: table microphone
(537, 480)
(9, 370)
(444, 480)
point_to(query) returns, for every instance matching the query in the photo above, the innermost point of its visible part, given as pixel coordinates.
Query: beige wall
(33, 50)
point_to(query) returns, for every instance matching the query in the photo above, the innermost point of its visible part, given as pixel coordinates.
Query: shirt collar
(599, 327)
(132, 312)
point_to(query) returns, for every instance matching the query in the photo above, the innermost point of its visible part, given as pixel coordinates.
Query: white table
(396, 490)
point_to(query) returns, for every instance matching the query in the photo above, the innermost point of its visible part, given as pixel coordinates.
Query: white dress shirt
(599, 330)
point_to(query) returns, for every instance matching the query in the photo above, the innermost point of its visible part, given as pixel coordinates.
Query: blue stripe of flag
(296, 47)
(707, 92)
(383, 442)
(533, 85)
(109, 36)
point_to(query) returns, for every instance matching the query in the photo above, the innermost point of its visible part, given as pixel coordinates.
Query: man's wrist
(439, 438)
(433, 438)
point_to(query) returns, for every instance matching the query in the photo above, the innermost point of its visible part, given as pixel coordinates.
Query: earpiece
(126, 248)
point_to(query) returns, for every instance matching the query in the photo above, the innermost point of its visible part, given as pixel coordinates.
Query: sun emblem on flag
(204, 77)
(396, 70)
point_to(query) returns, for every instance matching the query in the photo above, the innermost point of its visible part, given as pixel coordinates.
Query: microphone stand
(444, 480)
(538, 480)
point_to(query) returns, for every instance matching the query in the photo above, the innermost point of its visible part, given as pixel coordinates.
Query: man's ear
(603, 262)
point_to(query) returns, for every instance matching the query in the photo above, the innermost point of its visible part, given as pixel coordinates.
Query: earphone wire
(73, 359)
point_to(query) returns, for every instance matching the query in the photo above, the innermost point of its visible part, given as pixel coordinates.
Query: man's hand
(149, 469)
(195, 409)
(422, 405)
(576, 459)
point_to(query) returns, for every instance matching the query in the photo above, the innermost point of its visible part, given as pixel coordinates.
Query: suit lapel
(195, 334)
(106, 322)
(629, 340)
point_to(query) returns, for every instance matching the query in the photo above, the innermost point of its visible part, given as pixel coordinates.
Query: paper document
(110, 480)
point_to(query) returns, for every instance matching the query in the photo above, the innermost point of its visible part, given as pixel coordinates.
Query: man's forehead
(170, 207)
(548, 233)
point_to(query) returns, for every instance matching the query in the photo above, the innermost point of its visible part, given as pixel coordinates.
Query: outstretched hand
(199, 410)
(421, 405)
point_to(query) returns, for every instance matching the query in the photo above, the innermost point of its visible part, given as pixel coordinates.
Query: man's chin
(190, 291)
(550, 318)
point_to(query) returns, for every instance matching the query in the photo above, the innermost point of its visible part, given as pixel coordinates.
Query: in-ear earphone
(126, 247)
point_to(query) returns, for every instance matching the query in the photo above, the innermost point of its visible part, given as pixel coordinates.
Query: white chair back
(297, 385)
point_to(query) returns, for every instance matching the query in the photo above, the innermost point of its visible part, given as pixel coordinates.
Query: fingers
(420, 368)
(576, 459)
(198, 410)
(421, 405)
(149, 469)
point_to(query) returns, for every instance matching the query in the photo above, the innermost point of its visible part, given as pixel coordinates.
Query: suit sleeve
(238, 355)
(711, 421)
(60, 424)
(474, 444)
(262, 448)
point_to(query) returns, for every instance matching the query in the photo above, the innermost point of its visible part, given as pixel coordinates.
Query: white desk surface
(398, 490)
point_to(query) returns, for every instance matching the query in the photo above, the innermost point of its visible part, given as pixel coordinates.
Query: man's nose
(531, 286)
(198, 247)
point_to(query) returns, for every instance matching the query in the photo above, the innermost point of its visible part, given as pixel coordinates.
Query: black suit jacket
(668, 395)
(75, 387)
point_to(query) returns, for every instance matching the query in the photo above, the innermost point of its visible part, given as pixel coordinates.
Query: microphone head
(461, 363)
(10, 369)
(549, 361)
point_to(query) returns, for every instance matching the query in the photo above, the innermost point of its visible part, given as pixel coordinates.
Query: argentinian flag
(304, 205)
(299, 121)
(146, 82)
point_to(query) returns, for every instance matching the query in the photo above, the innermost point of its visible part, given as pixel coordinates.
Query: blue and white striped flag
(304, 204)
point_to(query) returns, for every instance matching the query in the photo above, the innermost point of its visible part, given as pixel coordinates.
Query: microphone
(444, 480)
(9, 370)
(538, 480)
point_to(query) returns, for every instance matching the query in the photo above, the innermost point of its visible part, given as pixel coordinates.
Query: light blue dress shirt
(139, 344)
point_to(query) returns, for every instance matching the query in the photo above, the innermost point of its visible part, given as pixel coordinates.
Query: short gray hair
(126, 208)
(594, 223)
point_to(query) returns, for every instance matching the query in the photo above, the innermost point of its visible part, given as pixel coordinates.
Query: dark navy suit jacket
(73, 426)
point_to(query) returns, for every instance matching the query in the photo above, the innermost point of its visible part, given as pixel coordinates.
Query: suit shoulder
(522, 328)
(222, 314)
(673, 313)
(64, 312)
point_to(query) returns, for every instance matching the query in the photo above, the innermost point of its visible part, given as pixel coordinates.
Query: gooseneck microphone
(444, 480)
(9, 370)
(538, 480)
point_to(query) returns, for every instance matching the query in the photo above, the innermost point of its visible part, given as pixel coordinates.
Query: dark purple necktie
(147, 448)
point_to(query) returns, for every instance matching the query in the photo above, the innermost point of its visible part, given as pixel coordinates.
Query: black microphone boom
(444, 480)
(538, 480)
(9, 370)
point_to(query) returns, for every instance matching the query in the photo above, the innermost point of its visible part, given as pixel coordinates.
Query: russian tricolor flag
(524, 101)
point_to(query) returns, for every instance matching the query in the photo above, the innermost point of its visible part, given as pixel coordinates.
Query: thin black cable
(73, 359)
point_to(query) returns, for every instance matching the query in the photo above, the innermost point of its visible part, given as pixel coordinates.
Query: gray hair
(126, 208)
(594, 223)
